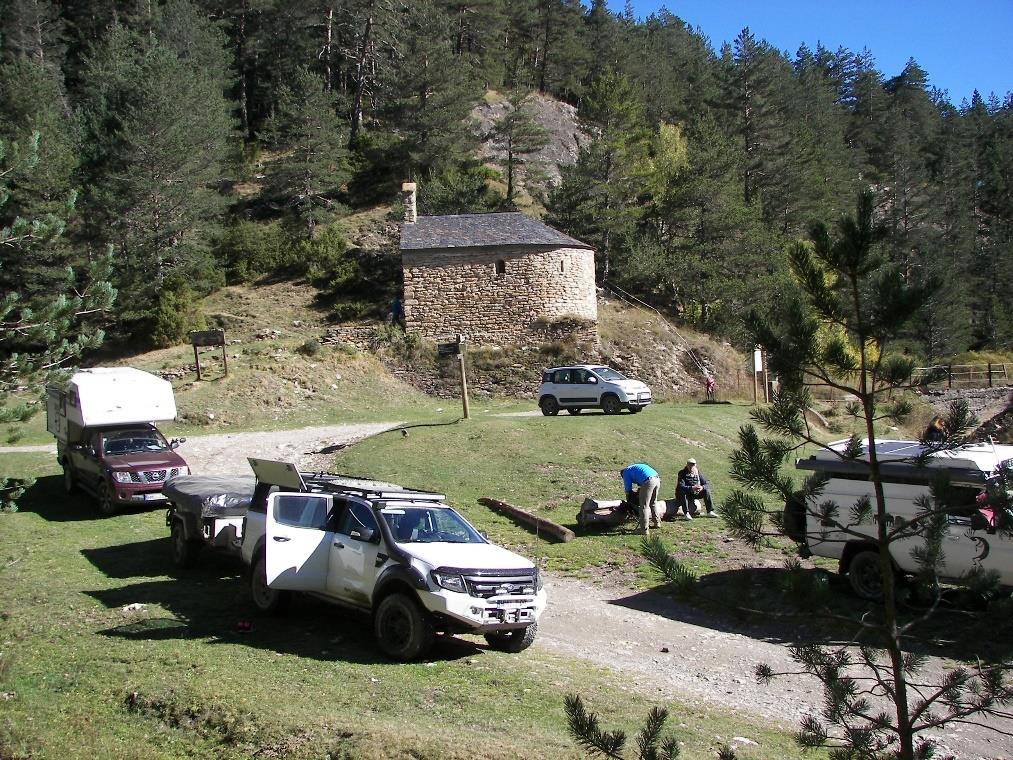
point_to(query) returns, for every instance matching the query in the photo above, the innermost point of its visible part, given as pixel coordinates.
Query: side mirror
(363, 534)
(174, 443)
(593, 380)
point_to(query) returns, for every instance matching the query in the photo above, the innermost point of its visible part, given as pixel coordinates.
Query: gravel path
(624, 630)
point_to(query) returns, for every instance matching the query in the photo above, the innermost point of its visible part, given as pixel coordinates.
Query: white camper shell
(970, 542)
(107, 396)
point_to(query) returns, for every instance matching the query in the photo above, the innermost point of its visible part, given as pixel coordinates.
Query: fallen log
(540, 524)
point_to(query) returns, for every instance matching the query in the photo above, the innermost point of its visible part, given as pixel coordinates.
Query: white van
(970, 541)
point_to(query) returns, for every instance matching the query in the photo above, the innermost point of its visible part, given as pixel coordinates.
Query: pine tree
(838, 330)
(42, 331)
(517, 135)
(306, 131)
(157, 128)
(597, 197)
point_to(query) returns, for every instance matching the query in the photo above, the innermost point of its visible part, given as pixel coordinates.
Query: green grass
(85, 672)
(548, 465)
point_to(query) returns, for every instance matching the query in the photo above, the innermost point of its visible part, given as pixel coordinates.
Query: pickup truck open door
(298, 542)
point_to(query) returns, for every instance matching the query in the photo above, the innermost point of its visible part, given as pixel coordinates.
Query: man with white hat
(693, 485)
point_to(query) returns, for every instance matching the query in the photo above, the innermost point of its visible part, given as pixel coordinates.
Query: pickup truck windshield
(427, 525)
(607, 373)
(133, 441)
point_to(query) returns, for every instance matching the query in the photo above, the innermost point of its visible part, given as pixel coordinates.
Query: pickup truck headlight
(451, 582)
(121, 477)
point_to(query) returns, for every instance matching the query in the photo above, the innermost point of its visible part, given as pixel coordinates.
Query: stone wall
(513, 295)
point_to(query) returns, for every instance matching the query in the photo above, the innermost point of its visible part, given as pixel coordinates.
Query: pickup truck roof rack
(287, 477)
(333, 483)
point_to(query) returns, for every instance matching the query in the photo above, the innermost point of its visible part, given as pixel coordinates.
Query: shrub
(311, 347)
(175, 315)
(247, 249)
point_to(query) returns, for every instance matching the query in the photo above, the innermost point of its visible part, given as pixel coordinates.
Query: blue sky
(962, 46)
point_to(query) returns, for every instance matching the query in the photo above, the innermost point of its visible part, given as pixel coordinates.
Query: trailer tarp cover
(211, 495)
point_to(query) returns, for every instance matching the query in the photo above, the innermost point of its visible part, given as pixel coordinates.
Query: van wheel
(512, 641)
(265, 598)
(574, 410)
(104, 499)
(550, 407)
(69, 481)
(610, 404)
(184, 552)
(403, 629)
(865, 576)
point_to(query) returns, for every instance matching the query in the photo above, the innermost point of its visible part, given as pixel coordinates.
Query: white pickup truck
(404, 555)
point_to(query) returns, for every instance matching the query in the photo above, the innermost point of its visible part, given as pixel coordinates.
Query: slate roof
(481, 231)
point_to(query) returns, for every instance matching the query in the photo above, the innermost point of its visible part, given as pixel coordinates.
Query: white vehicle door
(355, 544)
(297, 541)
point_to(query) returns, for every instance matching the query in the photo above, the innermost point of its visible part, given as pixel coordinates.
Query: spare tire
(794, 523)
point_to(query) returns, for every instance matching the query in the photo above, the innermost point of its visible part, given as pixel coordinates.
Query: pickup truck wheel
(610, 404)
(104, 499)
(550, 407)
(864, 575)
(69, 481)
(636, 409)
(184, 552)
(512, 641)
(265, 598)
(403, 629)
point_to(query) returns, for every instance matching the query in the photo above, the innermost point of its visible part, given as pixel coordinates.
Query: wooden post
(949, 376)
(464, 379)
(225, 361)
(766, 380)
(196, 358)
(990, 374)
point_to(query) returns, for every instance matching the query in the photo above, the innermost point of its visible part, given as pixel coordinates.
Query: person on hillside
(692, 485)
(648, 483)
(710, 385)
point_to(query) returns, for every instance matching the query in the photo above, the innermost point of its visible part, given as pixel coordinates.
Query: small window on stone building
(500, 266)
(562, 265)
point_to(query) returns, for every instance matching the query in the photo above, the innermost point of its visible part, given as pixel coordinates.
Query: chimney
(408, 200)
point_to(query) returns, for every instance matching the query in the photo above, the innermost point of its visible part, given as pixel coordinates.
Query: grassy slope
(83, 675)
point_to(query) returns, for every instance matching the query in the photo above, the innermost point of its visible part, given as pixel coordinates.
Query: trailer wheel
(104, 499)
(69, 481)
(402, 628)
(265, 598)
(184, 551)
(512, 641)
(865, 576)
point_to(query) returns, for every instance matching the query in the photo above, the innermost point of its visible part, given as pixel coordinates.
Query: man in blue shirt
(648, 482)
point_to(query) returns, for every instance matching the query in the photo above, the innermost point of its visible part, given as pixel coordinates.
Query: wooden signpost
(208, 338)
(449, 349)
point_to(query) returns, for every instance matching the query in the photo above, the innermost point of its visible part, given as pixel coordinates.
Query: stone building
(495, 278)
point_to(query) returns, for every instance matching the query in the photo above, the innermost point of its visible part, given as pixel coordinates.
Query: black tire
(403, 629)
(184, 551)
(864, 575)
(266, 599)
(69, 481)
(550, 407)
(610, 404)
(512, 641)
(636, 409)
(104, 499)
(574, 410)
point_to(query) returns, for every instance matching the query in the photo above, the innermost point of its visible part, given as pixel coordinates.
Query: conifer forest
(156, 150)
